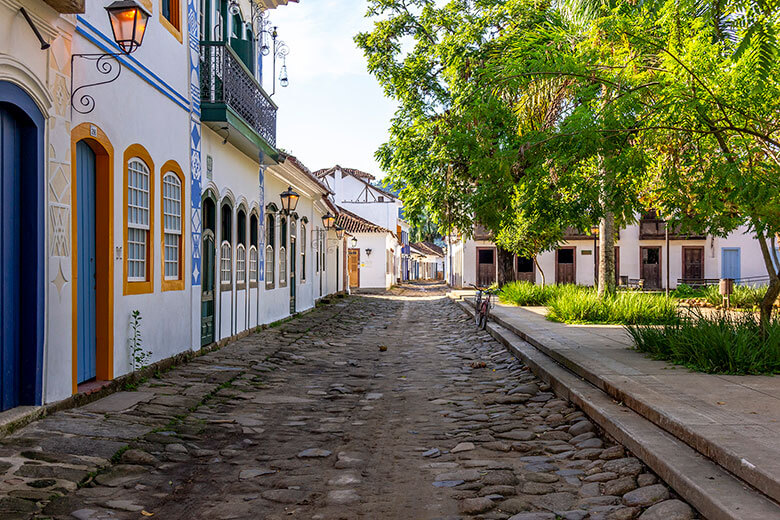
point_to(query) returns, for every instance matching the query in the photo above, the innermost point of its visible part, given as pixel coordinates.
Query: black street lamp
(339, 232)
(328, 221)
(289, 200)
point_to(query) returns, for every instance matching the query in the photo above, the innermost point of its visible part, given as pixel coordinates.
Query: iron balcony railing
(225, 80)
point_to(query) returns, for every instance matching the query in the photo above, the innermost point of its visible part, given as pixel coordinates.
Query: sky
(333, 111)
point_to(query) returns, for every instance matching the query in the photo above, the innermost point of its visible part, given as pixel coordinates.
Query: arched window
(225, 264)
(172, 227)
(226, 246)
(303, 251)
(241, 249)
(270, 247)
(253, 237)
(283, 252)
(138, 220)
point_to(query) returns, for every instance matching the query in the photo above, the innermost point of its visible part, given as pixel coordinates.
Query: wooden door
(486, 266)
(354, 267)
(730, 267)
(650, 267)
(207, 289)
(86, 333)
(525, 269)
(693, 262)
(10, 268)
(566, 265)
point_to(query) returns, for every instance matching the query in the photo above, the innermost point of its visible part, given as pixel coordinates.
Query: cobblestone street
(375, 407)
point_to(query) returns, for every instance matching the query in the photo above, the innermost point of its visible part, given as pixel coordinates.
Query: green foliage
(724, 343)
(625, 308)
(139, 357)
(744, 296)
(528, 294)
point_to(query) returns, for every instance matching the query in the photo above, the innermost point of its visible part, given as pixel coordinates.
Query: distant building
(427, 261)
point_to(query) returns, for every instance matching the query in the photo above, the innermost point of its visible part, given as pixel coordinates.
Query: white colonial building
(143, 175)
(372, 215)
(642, 257)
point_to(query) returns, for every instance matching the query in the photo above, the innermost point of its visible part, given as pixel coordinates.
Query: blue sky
(333, 111)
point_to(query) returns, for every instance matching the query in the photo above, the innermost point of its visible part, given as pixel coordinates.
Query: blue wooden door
(730, 267)
(86, 333)
(10, 175)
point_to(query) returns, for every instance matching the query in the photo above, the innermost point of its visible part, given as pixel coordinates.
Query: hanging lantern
(339, 232)
(128, 22)
(289, 200)
(328, 221)
(353, 242)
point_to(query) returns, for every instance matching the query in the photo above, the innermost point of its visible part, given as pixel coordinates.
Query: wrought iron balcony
(226, 84)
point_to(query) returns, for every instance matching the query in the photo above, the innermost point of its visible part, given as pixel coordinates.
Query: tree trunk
(506, 266)
(536, 262)
(772, 292)
(607, 255)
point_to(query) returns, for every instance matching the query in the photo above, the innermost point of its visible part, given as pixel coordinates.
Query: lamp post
(128, 21)
(289, 200)
(276, 46)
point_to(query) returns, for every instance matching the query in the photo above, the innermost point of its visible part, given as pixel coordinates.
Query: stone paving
(369, 407)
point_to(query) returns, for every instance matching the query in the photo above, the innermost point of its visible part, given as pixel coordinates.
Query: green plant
(139, 357)
(721, 343)
(632, 308)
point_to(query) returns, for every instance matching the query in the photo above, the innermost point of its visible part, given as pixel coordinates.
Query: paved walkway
(734, 420)
(314, 419)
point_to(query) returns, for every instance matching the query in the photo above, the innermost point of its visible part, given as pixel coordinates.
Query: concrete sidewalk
(734, 420)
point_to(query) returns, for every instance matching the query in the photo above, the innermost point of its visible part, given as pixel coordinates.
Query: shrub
(744, 296)
(721, 343)
(623, 308)
(526, 293)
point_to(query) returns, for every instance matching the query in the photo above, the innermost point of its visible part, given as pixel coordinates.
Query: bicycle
(482, 306)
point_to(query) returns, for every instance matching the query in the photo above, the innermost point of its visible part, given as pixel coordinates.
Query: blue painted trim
(115, 48)
(124, 62)
(32, 362)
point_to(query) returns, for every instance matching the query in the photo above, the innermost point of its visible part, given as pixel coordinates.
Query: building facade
(144, 183)
(642, 258)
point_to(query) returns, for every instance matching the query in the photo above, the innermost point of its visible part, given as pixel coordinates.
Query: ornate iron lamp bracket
(106, 64)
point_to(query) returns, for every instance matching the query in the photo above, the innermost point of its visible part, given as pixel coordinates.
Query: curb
(713, 491)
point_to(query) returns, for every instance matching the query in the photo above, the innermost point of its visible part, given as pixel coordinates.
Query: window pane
(226, 261)
(252, 264)
(171, 203)
(240, 264)
(138, 194)
(136, 255)
(171, 256)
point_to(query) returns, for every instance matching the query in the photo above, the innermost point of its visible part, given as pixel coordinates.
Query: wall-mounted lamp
(289, 199)
(44, 44)
(328, 221)
(353, 242)
(128, 21)
(368, 251)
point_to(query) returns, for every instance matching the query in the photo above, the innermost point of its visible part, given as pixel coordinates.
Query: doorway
(21, 248)
(354, 268)
(650, 267)
(486, 266)
(565, 265)
(293, 262)
(525, 269)
(208, 282)
(86, 334)
(693, 262)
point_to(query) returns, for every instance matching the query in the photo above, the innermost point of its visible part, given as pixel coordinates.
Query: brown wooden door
(565, 265)
(693, 262)
(525, 269)
(650, 268)
(354, 267)
(486, 266)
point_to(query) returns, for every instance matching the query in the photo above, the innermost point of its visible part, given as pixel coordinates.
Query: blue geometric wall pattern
(195, 138)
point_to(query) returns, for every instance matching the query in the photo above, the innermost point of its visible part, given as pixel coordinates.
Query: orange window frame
(173, 25)
(178, 284)
(147, 286)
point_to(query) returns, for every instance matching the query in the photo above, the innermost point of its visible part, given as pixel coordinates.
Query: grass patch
(625, 308)
(578, 304)
(718, 344)
(744, 296)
